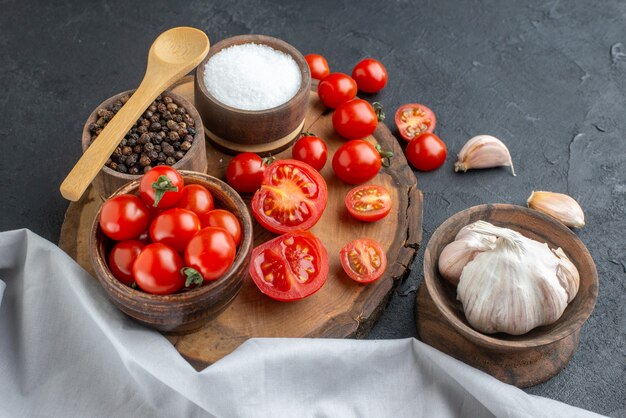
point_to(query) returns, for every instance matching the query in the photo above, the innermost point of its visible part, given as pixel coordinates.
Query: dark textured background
(548, 78)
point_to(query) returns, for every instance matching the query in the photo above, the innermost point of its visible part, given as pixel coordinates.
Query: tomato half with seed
(157, 269)
(414, 119)
(335, 89)
(211, 252)
(368, 203)
(196, 198)
(363, 260)
(357, 118)
(290, 267)
(292, 197)
(221, 218)
(175, 227)
(161, 187)
(310, 149)
(370, 75)
(121, 260)
(124, 217)
(426, 152)
(318, 66)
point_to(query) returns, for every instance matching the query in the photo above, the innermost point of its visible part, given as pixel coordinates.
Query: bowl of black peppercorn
(169, 132)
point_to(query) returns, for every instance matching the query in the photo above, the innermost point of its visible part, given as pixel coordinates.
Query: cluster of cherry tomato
(169, 237)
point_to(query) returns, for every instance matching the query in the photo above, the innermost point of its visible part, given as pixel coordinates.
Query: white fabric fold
(66, 351)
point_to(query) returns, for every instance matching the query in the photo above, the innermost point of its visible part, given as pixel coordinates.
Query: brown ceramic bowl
(188, 310)
(107, 181)
(261, 131)
(531, 224)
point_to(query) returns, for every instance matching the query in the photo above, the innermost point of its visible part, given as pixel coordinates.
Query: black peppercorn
(185, 146)
(143, 139)
(146, 169)
(133, 170)
(157, 148)
(137, 149)
(153, 155)
(172, 107)
(142, 129)
(168, 150)
(155, 127)
(173, 136)
(122, 168)
(148, 147)
(162, 156)
(113, 166)
(170, 161)
(179, 155)
(188, 138)
(144, 161)
(167, 99)
(127, 150)
(131, 160)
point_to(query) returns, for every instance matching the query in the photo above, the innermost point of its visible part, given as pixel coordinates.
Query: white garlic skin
(567, 273)
(483, 151)
(466, 245)
(512, 288)
(558, 205)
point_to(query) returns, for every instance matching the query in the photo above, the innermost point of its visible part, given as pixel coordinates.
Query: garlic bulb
(467, 245)
(516, 286)
(559, 206)
(483, 151)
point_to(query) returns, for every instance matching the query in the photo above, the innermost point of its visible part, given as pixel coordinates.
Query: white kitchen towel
(66, 351)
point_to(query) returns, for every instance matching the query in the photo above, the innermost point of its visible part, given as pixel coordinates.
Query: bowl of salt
(252, 93)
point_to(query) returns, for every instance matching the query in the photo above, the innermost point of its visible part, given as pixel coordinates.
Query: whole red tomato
(157, 269)
(121, 260)
(370, 75)
(211, 252)
(426, 152)
(318, 66)
(196, 198)
(358, 161)
(175, 227)
(124, 217)
(161, 187)
(310, 149)
(335, 89)
(245, 172)
(357, 118)
(221, 218)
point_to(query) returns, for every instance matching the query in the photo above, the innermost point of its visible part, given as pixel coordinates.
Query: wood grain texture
(522, 360)
(185, 311)
(108, 181)
(252, 127)
(342, 308)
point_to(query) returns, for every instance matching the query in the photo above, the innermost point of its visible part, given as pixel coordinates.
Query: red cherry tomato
(290, 267)
(124, 217)
(414, 119)
(335, 89)
(211, 252)
(368, 203)
(122, 258)
(310, 149)
(175, 227)
(161, 187)
(358, 161)
(370, 75)
(221, 218)
(245, 172)
(292, 197)
(196, 198)
(318, 66)
(426, 152)
(157, 269)
(356, 119)
(363, 260)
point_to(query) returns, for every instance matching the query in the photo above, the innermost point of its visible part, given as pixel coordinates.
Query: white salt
(252, 77)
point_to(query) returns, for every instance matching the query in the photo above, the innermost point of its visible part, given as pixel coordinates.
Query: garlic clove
(558, 205)
(512, 288)
(567, 273)
(483, 151)
(455, 256)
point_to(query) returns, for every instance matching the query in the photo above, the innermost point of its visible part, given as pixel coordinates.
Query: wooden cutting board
(342, 308)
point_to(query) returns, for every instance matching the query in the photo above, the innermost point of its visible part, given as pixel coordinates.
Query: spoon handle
(100, 150)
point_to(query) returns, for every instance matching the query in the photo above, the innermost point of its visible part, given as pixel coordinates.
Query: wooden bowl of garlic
(504, 294)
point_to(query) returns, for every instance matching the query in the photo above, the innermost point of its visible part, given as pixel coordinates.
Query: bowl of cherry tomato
(171, 249)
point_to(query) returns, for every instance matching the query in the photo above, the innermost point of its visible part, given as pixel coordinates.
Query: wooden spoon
(172, 55)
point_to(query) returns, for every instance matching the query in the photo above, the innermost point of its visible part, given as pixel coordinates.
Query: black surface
(548, 78)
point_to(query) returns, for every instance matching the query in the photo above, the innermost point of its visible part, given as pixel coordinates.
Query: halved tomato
(292, 197)
(368, 202)
(413, 119)
(363, 260)
(290, 267)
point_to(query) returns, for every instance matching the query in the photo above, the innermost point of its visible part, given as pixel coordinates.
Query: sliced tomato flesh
(292, 197)
(363, 260)
(290, 267)
(414, 119)
(368, 202)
